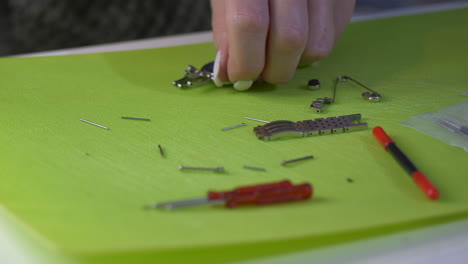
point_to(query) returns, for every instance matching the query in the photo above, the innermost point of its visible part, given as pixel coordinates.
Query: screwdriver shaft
(185, 203)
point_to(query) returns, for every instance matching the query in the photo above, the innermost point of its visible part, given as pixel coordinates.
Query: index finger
(247, 24)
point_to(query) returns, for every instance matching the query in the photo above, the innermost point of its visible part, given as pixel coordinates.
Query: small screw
(231, 127)
(92, 123)
(284, 162)
(254, 168)
(161, 151)
(136, 118)
(255, 119)
(218, 169)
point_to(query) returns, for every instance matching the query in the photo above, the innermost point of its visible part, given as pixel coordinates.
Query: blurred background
(40, 25)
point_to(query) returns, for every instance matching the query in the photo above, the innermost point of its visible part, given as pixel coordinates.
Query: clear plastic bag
(449, 125)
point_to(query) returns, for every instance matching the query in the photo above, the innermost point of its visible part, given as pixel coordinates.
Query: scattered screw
(231, 127)
(255, 119)
(161, 151)
(219, 169)
(284, 162)
(92, 123)
(136, 118)
(254, 168)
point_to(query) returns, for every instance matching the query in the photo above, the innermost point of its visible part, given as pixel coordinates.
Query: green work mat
(83, 188)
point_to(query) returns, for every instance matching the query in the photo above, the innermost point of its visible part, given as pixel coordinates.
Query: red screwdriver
(262, 194)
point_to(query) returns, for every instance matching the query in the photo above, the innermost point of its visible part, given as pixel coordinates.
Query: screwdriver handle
(244, 190)
(279, 194)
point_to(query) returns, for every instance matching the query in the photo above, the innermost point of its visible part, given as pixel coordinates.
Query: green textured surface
(82, 188)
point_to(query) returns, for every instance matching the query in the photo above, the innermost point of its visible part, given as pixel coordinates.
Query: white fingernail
(242, 85)
(216, 66)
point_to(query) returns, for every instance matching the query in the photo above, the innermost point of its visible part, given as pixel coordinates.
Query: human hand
(270, 38)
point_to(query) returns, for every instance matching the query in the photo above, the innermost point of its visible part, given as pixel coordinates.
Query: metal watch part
(194, 76)
(370, 95)
(317, 105)
(306, 128)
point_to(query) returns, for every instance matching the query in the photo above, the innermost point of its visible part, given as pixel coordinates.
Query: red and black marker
(419, 178)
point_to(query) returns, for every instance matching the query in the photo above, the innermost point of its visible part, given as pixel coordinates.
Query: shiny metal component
(161, 151)
(193, 76)
(231, 127)
(218, 169)
(319, 126)
(317, 105)
(285, 162)
(371, 96)
(253, 168)
(136, 118)
(184, 203)
(92, 123)
(255, 119)
(313, 84)
(453, 126)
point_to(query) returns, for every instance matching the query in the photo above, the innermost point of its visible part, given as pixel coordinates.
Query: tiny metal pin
(254, 168)
(92, 123)
(231, 127)
(255, 119)
(219, 169)
(284, 162)
(161, 151)
(453, 126)
(136, 118)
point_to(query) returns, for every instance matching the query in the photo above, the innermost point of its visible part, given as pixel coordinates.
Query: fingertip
(247, 24)
(322, 35)
(243, 85)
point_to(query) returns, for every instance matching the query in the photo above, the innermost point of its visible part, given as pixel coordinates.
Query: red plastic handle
(381, 136)
(265, 196)
(245, 190)
(423, 182)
